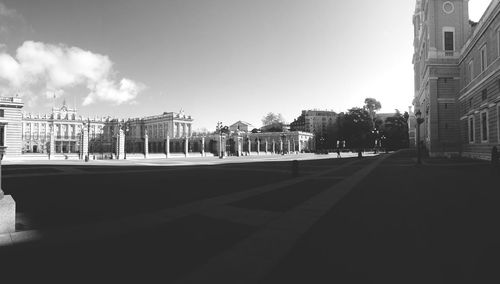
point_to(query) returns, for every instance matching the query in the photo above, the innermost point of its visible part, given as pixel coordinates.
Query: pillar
(238, 145)
(203, 146)
(274, 147)
(167, 147)
(146, 146)
(85, 143)
(281, 147)
(220, 147)
(120, 145)
(186, 146)
(249, 146)
(52, 146)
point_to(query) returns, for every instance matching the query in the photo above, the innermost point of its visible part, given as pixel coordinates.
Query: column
(167, 147)
(220, 147)
(85, 143)
(52, 142)
(203, 146)
(120, 145)
(146, 146)
(249, 146)
(258, 146)
(239, 145)
(274, 147)
(281, 147)
(7, 206)
(186, 146)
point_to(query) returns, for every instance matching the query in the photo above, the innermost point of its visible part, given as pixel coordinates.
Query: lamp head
(418, 114)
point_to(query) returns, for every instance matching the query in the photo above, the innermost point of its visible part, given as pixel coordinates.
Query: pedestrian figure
(338, 153)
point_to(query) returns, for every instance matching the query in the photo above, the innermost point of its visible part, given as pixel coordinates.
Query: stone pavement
(370, 220)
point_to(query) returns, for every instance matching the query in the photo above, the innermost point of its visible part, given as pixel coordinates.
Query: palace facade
(457, 78)
(64, 134)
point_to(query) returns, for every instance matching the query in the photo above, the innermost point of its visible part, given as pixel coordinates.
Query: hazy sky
(218, 60)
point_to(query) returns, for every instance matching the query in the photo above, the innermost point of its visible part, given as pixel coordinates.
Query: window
(484, 95)
(498, 42)
(471, 71)
(484, 59)
(498, 123)
(2, 113)
(449, 44)
(2, 135)
(471, 129)
(484, 126)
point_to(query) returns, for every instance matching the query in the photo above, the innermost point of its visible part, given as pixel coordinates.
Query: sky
(217, 60)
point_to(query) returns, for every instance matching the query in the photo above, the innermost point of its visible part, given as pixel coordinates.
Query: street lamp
(221, 129)
(375, 133)
(420, 120)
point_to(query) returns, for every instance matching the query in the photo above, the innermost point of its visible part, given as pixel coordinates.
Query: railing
(10, 100)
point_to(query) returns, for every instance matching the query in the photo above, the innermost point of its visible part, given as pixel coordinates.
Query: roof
(241, 122)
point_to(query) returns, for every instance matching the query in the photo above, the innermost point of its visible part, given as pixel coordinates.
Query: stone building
(457, 77)
(62, 126)
(10, 125)
(314, 121)
(241, 126)
(66, 129)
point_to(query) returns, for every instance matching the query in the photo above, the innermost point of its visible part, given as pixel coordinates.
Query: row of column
(120, 146)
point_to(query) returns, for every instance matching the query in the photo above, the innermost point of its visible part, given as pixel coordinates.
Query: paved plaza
(381, 218)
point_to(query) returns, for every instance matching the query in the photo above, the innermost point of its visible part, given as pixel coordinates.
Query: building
(457, 78)
(10, 125)
(63, 126)
(314, 121)
(158, 128)
(241, 126)
(66, 129)
(64, 134)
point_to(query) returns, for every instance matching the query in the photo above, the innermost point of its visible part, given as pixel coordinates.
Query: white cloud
(58, 68)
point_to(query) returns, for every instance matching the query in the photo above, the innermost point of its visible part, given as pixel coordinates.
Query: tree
(372, 106)
(355, 127)
(273, 122)
(395, 129)
(272, 118)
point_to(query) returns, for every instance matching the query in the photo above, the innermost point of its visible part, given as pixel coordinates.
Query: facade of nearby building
(457, 78)
(10, 125)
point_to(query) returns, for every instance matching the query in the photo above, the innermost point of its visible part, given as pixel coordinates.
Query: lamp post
(375, 133)
(221, 129)
(420, 120)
